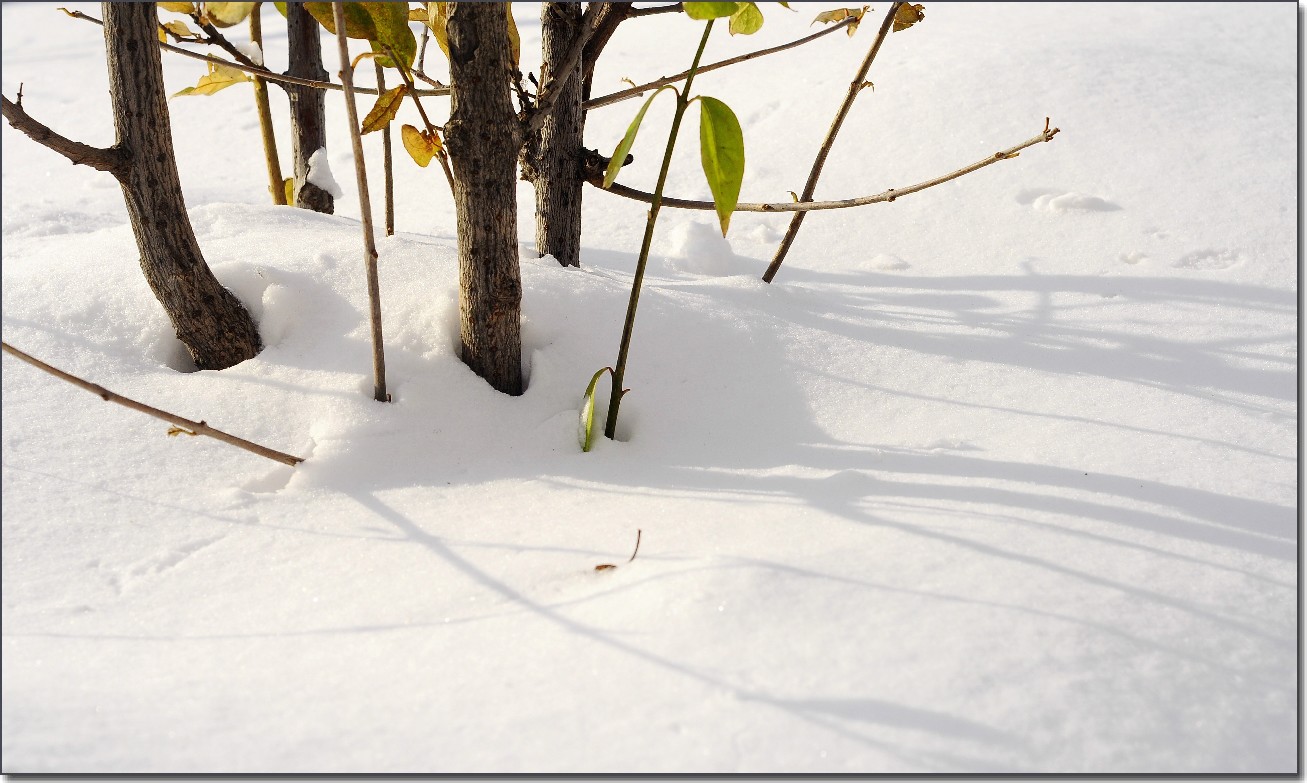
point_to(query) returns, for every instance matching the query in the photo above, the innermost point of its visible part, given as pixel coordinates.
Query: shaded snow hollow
(999, 477)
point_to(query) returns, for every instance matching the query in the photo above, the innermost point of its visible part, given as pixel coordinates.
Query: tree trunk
(208, 319)
(551, 161)
(308, 125)
(483, 136)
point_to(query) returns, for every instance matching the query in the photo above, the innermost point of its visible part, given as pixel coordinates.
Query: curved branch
(634, 92)
(264, 73)
(113, 159)
(610, 16)
(813, 206)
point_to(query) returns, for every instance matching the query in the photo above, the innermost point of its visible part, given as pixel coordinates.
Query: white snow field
(999, 477)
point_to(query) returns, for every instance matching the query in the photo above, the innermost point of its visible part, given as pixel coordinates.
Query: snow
(320, 173)
(1000, 477)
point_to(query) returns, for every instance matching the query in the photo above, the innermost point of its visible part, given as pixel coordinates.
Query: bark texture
(551, 160)
(212, 323)
(308, 124)
(483, 137)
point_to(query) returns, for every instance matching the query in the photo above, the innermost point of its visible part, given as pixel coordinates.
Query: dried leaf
(219, 77)
(793, 195)
(604, 566)
(180, 30)
(422, 146)
(178, 8)
(438, 21)
(174, 431)
(384, 110)
(865, 85)
(417, 15)
(840, 14)
(514, 40)
(288, 185)
(908, 15)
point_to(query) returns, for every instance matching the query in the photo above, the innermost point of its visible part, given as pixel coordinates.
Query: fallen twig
(609, 566)
(182, 426)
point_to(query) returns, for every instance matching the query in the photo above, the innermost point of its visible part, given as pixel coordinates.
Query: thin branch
(809, 187)
(674, 8)
(562, 71)
(188, 426)
(216, 38)
(813, 206)
(387, 157)
(264, 73)
(113, 159)
(442, 155)
(365, 209)
(634, 92)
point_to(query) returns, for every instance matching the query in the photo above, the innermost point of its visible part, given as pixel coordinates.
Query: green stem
(682, 103)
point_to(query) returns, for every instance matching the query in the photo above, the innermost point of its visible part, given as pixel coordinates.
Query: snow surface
(1000, 477)
(319, 173)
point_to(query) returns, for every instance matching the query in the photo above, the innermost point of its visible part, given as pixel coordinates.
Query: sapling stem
(275, 182)
(387, 159)
(365, 210)
(682, 103)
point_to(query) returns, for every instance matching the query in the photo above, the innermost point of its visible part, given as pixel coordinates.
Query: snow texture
(999, 477)
(320, 173)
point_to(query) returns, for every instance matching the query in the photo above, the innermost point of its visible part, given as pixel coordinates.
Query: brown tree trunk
(208, 319)
(483, 137)
(551, 161)
(308, 125)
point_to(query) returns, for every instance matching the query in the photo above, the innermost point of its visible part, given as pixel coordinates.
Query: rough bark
(212, 323)
(551, 159)
(483, 137)
(308, 125)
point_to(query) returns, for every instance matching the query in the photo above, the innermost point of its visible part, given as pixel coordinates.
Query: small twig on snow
(181, 425)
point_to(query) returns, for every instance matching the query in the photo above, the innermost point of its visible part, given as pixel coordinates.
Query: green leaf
(706, 11)
(785, 5)
(381, 24)
(623, 148)
(585, 430)
(746, 20)
(721, 146)
(384, 110)
(219, 77)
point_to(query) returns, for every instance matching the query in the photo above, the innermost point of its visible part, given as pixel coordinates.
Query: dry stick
(191, 427)
(276, 183)
(661, 9)
(813, 206)
(388, 160)
(810, 186)
(550, 91)
(365, 207)
(635, 92)
(263, 73)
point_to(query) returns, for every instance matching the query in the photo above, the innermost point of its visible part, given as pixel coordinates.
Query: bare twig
(216, 38)
(191, 427)
(264, 73)
(813, 206)
(608, 18)
(855, 87)
(562, 71)
(275, 182)
(658, 9)
(634, 92)
(637, 544)
(112, 159)
(365, 208)
(387, 158)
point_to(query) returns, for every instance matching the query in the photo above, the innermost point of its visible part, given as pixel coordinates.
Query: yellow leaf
(178, 8)
(438, 20)
(288, 185)
(364, 56)
(180, 30)
(840, 14)
(417, 14)
(384, 110)
(421, 145)
(514, 41)
(226, 14)
(163, 35)
(908, 15)
(219, 77)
